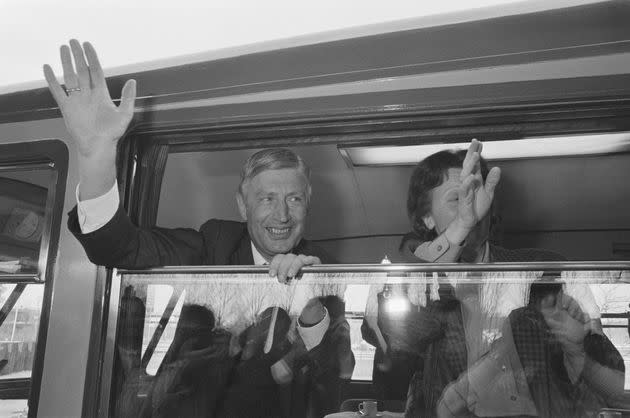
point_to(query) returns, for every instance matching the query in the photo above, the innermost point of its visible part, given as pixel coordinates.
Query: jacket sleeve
(121, 244)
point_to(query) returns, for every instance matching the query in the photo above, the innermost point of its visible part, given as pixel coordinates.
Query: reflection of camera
(541, 290)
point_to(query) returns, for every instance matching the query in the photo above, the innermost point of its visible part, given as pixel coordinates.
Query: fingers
(492, 180)
(96, 71)
(287, 266)
(69, 76)
(83, 73)
(471, 160)
(54, 86)
(466, 191)
(572, 307)
(128, 98)
(555, 325)
(469, 165)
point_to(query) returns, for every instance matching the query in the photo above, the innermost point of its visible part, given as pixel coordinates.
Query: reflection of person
(317, 368)
(550, 362)
(303, 372)
(397, 334)
(129, 375)
(273, 195)
(449, 203)
(195, 369)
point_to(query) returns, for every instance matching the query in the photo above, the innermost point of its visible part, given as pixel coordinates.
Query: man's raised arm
(94, 122)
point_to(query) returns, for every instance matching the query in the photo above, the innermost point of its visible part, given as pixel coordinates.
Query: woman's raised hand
(475, 197)
(93, 120)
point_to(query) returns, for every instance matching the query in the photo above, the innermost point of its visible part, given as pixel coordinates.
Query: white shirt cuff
(314, 335)
(95, 213)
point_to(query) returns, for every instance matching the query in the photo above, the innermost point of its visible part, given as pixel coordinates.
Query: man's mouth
(278, 232)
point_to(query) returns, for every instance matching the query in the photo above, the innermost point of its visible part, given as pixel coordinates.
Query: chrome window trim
(397, 268)
(110, 346)
(20, 278)
(48, 224)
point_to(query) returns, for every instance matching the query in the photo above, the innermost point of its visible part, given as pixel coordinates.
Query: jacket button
(439, 248)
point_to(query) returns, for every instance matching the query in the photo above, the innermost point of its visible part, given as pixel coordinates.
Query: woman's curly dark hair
(428, 174)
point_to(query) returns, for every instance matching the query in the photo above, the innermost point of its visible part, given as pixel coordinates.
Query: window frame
(108, 359)
(53, 154)
(141, 160)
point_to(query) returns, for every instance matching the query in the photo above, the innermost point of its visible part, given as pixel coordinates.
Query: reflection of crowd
(274, 368)
(551, 359)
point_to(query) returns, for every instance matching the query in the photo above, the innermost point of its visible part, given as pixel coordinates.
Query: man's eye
(265, 199)
(295, 199)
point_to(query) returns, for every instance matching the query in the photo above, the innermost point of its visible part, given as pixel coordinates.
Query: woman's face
(444, 201)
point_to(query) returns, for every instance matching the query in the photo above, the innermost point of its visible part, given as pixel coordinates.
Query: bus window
(488, 341)
(23, 198)
(32, 184)
(358, 211)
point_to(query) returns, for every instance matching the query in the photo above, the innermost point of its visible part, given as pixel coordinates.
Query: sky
(134, 31)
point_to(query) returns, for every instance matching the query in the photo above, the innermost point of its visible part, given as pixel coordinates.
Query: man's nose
(282, 211)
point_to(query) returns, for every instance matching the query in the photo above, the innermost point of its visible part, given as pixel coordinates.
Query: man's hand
(89, 113)
(287, 266)
(92, 119)
(475, 197)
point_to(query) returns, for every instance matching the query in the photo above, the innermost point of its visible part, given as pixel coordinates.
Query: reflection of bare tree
(255, 297)
(329, 288)
(615, 297)
(222, 298)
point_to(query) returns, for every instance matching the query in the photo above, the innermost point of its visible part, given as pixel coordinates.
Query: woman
(449, 205)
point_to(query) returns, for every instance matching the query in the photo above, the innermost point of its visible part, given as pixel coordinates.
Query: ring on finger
(72, 89)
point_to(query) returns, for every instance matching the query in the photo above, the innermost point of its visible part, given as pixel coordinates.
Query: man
(273, 198)
(273, 195)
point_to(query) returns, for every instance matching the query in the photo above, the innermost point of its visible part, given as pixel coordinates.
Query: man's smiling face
(274, 203)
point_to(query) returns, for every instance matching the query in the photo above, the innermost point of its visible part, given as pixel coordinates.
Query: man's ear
(429, 222)
(242, 209)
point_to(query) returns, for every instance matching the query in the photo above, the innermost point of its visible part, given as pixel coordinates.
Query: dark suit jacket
(122, 244)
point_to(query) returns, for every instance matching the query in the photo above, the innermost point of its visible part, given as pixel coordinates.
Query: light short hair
(274, 159)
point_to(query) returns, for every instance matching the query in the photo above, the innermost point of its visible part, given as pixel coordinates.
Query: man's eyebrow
(265, 193)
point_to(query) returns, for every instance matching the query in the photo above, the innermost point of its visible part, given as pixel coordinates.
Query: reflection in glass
(447, 344)
(20, 310)
(23, 197)
(20, 313)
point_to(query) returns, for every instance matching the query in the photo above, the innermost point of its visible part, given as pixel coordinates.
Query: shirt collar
(259, 260)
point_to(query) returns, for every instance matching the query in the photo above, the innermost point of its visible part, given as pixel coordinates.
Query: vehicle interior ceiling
(575, 206)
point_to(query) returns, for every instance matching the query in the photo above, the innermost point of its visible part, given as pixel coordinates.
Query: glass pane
(22, 210)
(359, 214)
(20, 310)
(18, 331)
(458, 344)
(14, 408)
